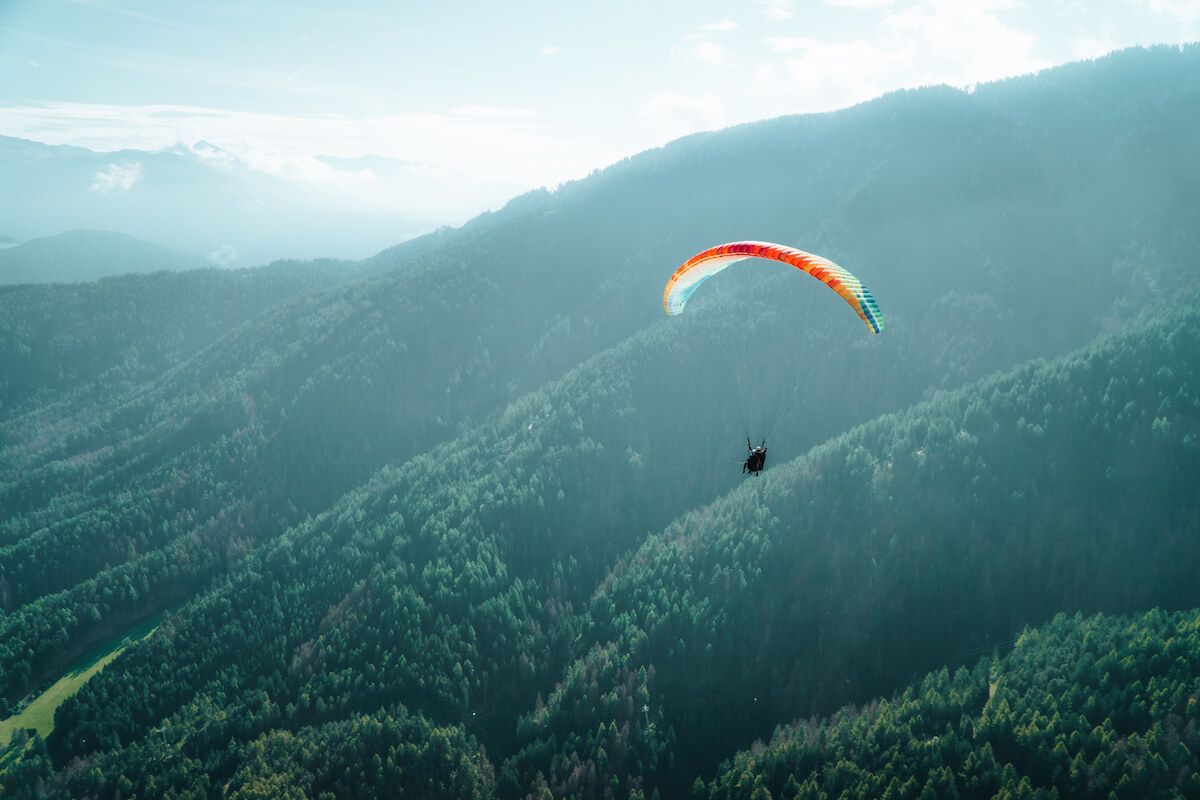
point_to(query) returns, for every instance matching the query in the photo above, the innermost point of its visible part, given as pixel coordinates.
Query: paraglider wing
(704, 265)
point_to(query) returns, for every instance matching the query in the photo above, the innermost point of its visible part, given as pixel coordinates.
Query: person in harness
(756, 458)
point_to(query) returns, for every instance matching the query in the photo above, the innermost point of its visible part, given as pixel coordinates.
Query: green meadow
(39, 713)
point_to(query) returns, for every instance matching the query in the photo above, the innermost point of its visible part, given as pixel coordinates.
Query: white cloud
(777, 9)
(709, 53)
(704, 33)
(472, 110)
(1086, 47)
(213, 155)
(764, 75)
(674, 115)
(716, 27)
(487, 153)
(787, 44)
(960, 43)
(1184, 11)
(861, 5)
(549, 50)
(831, 75)
(116, 177)
(226, 255)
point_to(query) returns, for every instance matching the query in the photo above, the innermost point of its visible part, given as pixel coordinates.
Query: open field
(39, 714)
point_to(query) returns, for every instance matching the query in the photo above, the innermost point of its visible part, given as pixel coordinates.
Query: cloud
(1088, 47)
(1184, 11)
(831, 75)
(709, 53)
(922, 43)
(491, 153)
(116, 177)
(703, 34)
(764, 75)
(861, 5)
(787, 44)
(549, 50)
(226, 255)
(213, 155)
(777, 9)
(674, 115)
(472, 110)
(698, 43)
(960, 43)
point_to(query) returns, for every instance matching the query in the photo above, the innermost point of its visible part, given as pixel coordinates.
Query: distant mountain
(200, 199)
(83, 255)
(5, 239)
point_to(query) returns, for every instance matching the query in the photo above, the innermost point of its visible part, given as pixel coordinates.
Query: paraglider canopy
(707, 263)
(702, 266)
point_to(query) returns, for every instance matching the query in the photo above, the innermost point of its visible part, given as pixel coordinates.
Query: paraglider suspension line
(737, 382)
(791, 398)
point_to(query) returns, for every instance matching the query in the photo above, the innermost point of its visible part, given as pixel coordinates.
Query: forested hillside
(464, 600)
(1096, 707)
(303, 637)
(93, 342)
(474, 506)
(1067, 485)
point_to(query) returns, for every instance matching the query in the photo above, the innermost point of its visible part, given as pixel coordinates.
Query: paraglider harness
(756, 458)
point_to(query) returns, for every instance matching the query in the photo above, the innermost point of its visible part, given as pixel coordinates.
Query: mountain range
(202, 199)
(82, 255)
(460, 519)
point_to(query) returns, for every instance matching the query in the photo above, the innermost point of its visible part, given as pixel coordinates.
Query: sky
(502, 97)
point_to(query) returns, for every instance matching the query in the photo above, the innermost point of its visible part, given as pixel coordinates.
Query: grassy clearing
(39, 714)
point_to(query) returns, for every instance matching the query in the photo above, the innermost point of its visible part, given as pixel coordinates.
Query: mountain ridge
(470, 483)
(83, 255)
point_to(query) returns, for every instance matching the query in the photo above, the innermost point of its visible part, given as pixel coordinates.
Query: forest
(462, 519)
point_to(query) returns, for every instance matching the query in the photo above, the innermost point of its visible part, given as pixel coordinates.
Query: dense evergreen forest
(105, 337)
(1096, 707)
(460, 520)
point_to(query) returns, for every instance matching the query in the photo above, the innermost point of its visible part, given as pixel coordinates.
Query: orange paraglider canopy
(707, 263)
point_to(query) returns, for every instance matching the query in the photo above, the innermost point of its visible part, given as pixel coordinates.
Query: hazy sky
(508, 95)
